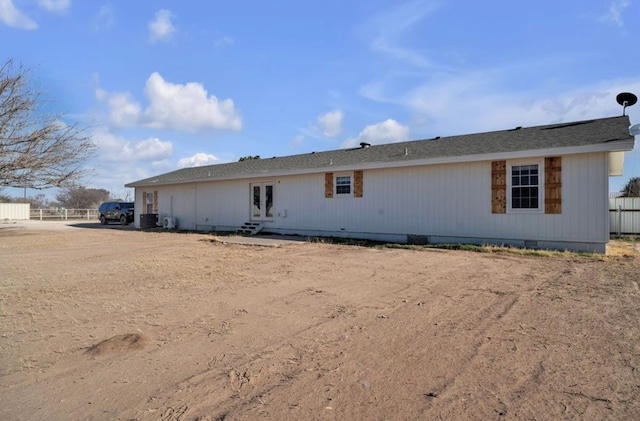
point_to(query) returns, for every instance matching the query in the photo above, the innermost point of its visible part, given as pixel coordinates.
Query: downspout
(607, 233)
(195, 207)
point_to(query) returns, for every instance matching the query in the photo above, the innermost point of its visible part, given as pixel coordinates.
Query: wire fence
(62, 214)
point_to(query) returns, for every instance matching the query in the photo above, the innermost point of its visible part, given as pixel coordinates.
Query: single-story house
(539, 187)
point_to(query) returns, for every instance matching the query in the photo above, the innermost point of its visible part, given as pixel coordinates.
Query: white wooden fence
(624, 215)
(62, 214)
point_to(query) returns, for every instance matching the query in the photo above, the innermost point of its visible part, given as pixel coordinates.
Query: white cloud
(151, 149)
(438, 105)
(331, 123)
(614, 14)
(105, 17)
(122, 160)
(388, 131)
(385, 32)
(13, 17)
(125, 112)
(198, 160)
(115, 148)
(55, 5)
(297, 141)
(161, 28)
(187, 107)
(224, 41)
(452, 103)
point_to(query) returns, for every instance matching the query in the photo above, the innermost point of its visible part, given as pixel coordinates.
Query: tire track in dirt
(490, 319)
(526, 382)
(240, 380)
(497, 308)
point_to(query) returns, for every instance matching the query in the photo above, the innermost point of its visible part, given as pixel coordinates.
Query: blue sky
(165, 85)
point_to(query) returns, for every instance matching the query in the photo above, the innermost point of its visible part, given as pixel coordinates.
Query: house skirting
(576, 246)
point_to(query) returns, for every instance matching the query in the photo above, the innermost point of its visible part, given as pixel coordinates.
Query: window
(149, 202)
(525, 186)
(343, 184)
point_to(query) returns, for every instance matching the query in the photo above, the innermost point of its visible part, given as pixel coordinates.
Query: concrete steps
(250, 228)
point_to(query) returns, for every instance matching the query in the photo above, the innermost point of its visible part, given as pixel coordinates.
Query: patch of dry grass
(621, 248)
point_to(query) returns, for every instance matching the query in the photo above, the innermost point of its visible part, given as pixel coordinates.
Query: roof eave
(613, 146)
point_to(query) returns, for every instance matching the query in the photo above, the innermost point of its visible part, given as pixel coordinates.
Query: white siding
(446, 200)
(223, 204)
(15, 211)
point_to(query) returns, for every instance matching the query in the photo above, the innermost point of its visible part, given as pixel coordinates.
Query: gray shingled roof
(574, 134)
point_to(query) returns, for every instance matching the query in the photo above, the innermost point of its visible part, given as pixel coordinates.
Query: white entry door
(262, 201)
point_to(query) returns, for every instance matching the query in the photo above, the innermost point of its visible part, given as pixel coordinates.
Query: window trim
(516, 163)
(336, 185)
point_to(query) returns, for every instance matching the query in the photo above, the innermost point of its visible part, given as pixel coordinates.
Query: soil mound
(118, 344)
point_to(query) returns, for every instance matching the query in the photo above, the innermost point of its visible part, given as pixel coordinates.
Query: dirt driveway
(118, 324)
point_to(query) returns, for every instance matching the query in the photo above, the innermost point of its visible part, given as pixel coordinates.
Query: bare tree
(5, 198)
(632, 188)
(79, 197)
(39, 201)
(37, 149)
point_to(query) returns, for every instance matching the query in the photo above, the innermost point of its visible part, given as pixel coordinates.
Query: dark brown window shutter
(328, 184)
(553, 185)
(155, 202)
(357, 183)
(499, 187)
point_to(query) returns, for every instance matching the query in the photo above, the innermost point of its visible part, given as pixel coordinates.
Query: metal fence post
(619, 220)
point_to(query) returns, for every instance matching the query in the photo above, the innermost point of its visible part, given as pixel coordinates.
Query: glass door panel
(256, 197)
(268, 199)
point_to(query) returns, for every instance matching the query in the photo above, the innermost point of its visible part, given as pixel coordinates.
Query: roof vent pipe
(406, 151)
(364, 145)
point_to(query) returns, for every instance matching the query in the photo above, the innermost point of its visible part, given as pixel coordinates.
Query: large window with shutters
(527, 186)
(344, 184)
(149, 202)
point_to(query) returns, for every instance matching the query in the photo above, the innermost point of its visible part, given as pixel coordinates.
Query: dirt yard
(116, 324)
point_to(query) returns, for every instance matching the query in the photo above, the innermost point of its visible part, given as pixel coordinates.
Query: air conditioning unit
(169, 223)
